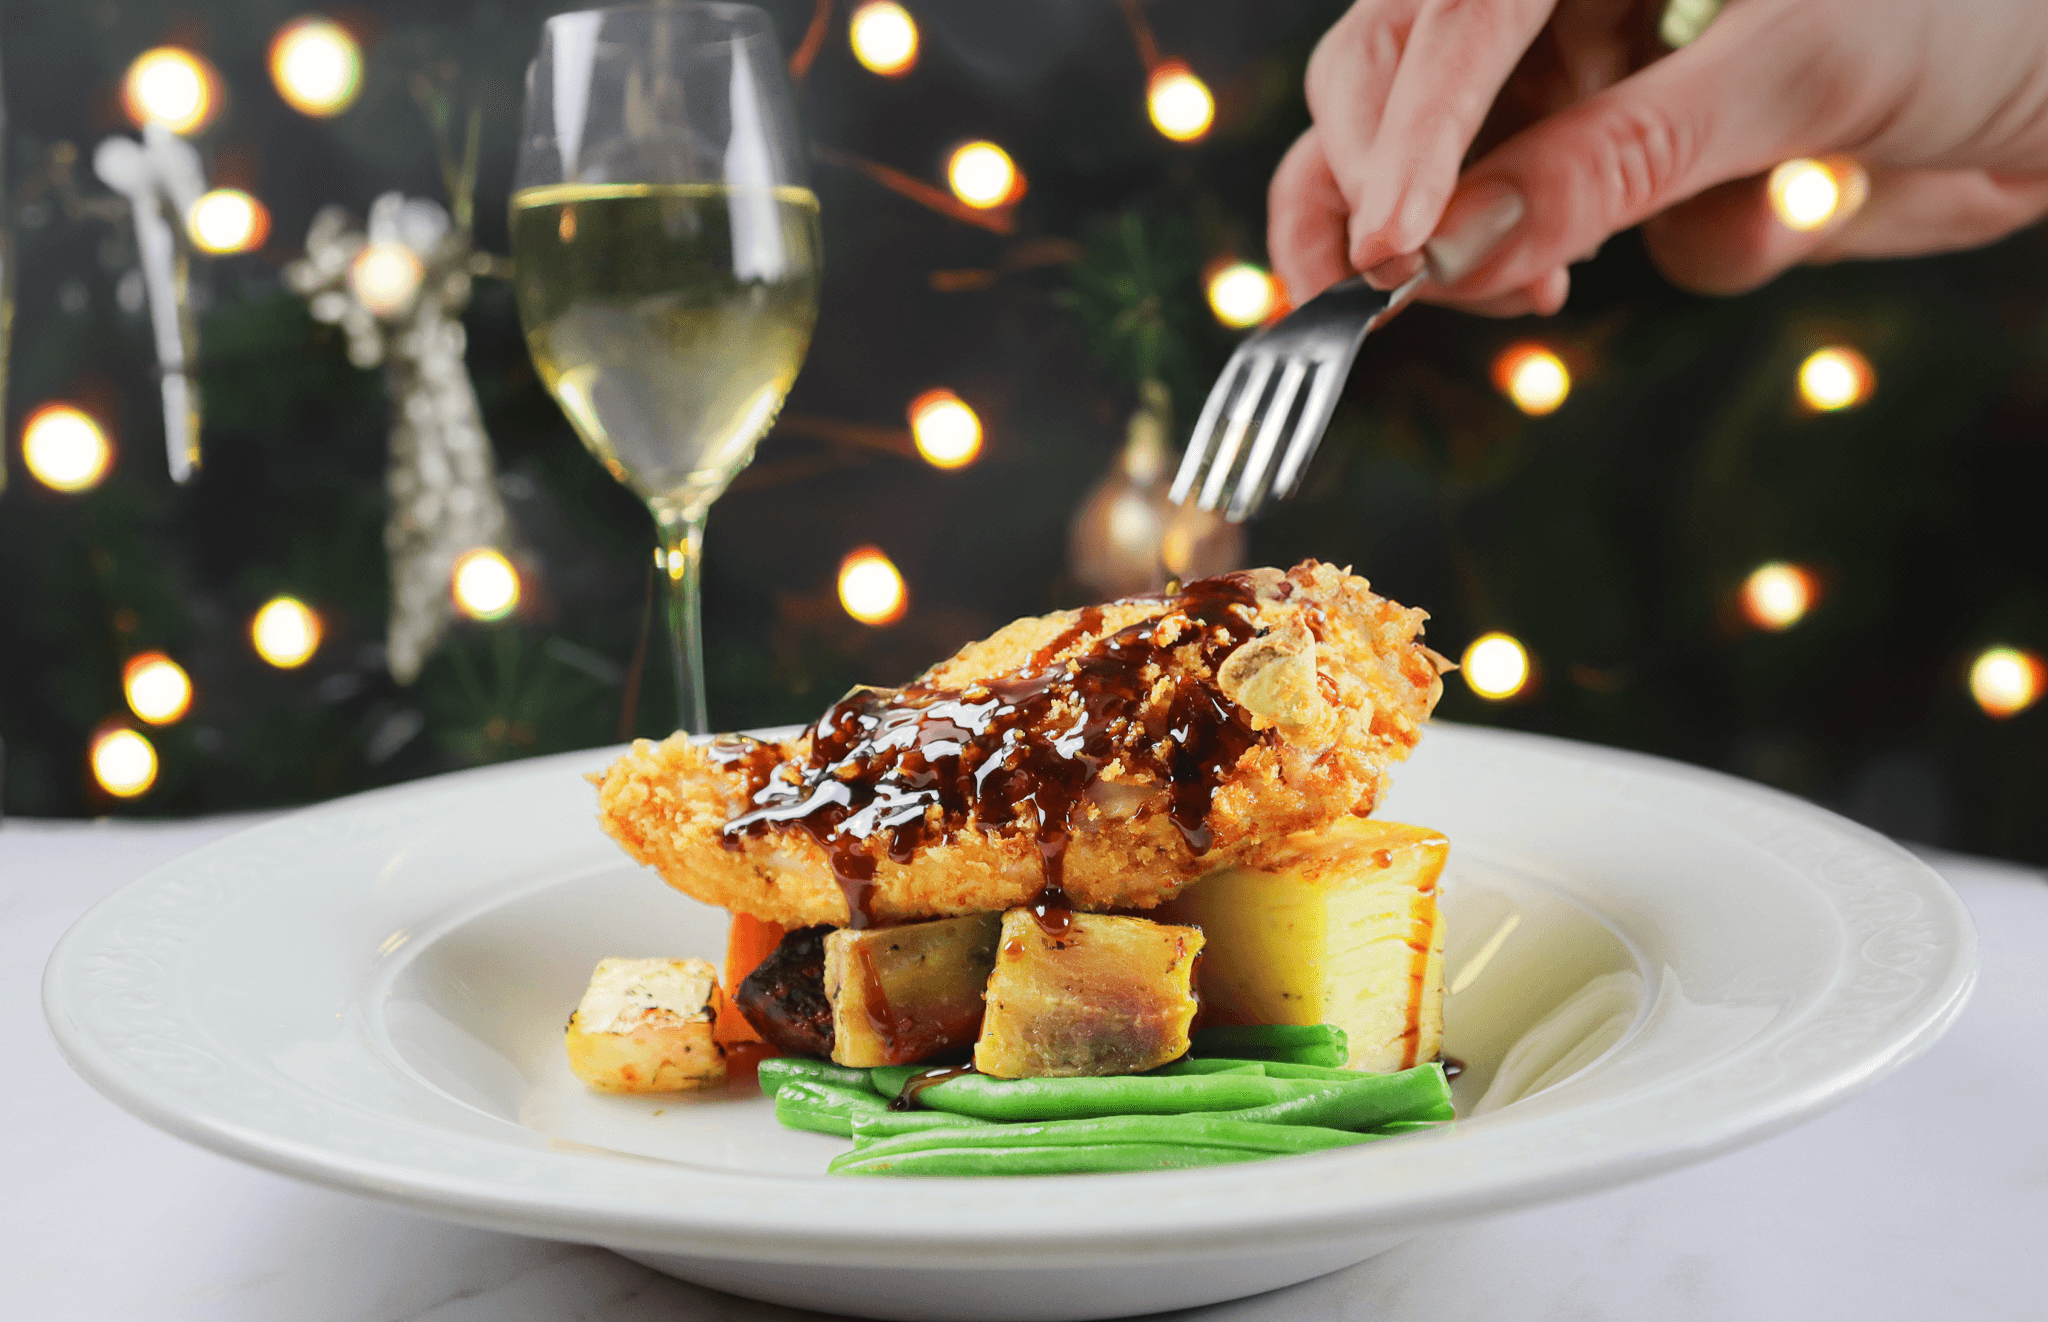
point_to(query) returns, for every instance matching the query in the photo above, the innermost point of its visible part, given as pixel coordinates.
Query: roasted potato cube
(904, 994)
(1104, 995)
(1341, 927)
(645, 1025)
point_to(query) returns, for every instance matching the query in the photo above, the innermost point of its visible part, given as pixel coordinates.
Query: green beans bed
(1278, 1093)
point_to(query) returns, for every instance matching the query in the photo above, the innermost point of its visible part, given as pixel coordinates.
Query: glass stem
(682, 562)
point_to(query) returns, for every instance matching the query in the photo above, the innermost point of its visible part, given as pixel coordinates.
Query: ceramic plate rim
(767, 1217)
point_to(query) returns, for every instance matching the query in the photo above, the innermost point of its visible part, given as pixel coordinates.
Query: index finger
(1305, 221)
(1349, 75)
(1455, 56)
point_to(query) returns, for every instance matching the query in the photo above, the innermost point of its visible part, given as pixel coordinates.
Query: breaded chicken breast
(1098, 759)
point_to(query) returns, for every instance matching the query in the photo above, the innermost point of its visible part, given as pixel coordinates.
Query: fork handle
(1355, 298)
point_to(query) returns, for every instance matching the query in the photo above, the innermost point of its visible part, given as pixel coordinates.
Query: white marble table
(1925, 1198)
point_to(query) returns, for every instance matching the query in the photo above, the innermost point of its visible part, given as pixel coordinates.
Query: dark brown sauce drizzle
(915, 1085)
(1089, 621)
(1421, 944)
(1453, 1067)
(1054, 912)
(907, 765)
(908, 1036)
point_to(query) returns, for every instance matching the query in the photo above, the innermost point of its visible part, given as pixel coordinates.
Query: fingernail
(1395, 271)
(1482, 221)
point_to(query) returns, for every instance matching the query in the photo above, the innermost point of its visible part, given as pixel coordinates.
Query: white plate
(370, 994)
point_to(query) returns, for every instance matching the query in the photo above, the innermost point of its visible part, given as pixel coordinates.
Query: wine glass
(666, 260)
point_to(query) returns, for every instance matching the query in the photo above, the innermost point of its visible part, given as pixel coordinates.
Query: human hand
(1940, 110)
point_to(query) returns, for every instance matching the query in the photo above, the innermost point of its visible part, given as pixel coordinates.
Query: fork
(1295, 369)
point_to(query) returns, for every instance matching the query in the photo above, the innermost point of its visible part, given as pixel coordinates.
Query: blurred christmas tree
(1608, 539)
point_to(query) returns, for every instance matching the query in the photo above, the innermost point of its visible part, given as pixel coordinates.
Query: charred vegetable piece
(1339, 926)
(1090, 995)
(645, 1025)
(902, 994)
(784, 997)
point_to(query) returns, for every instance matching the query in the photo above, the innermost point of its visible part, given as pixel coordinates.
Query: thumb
(1744, 96)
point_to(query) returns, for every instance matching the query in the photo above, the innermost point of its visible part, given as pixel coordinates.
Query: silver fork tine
(1252, 484)
(1202, 441)
(1308, 433)
(1312, 347)
(1234, 430)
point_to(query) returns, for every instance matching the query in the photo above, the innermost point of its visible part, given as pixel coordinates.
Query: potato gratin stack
(1054, 848)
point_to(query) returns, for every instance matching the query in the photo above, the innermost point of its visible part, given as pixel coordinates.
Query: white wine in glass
(667, 262)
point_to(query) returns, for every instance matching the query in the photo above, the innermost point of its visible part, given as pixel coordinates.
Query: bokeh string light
(1836, 377)
(285, 632)
(173, 87)
(870, 587)
(1684, 20)
(1496, 666)
(1179, 102)
(485, 585)
(123, 762)
(228, 220)
(946, 430)
(317, 66)
(157, 688)
(64, 449)
(1241, 295)
(385, 278)
(1533, 377)
(1804, 194)
(982, 175)
(1777, 595)
(884, 38)
(2005, 681)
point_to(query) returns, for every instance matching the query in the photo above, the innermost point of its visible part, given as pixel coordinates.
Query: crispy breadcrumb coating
(1312, 685)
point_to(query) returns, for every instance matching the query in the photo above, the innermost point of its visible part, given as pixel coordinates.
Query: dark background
(1610, 536)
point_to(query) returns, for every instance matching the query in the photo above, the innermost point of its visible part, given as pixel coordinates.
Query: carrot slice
(749, 942)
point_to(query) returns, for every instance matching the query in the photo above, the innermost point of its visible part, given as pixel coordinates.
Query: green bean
(1196, 1130)
(823, 1107)
(1249, 1038)
(1300, 1044)
(1294, 1069)
(864, 1099)
(1122, 1094)
(1190, 1065)
(889, 1124)
(1276, 1069)
(1362, 1101)
(776, 1070)
(1102, 1159)
(1272, 1069)
(888, 1080)
(1109, 1144)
